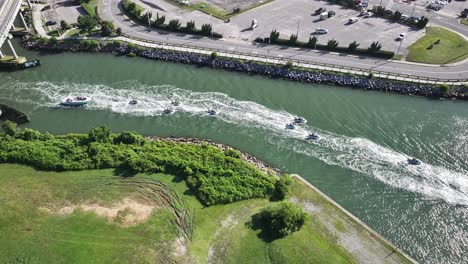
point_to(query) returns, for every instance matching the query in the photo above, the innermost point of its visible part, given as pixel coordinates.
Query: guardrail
(302, 63)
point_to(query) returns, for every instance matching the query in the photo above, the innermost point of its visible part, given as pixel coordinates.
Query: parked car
(320, 10)
(402, 36)
(321, 31)
(331, 13)
(353, 20)
(51, 23)
(368, 14)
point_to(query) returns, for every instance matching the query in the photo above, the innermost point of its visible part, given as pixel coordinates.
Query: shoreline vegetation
(286, 72)
(213, 202)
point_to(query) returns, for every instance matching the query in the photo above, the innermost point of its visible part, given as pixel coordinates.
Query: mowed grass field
(35, 229)
(452, 47)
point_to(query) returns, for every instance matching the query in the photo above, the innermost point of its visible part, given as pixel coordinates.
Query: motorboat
(414, 161)
(299, 120)
(168, 111)
(312, 136)
(211, 112)
(133, 102)
(175, 103)
(290, 126)
(75, 101)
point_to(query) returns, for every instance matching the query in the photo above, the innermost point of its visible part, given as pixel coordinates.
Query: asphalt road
(110, 11)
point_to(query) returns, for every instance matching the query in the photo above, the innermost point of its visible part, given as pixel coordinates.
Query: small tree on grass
(332, 44)
(312, 42)
(159, 20)
(422, 22)
(9, 128)
(206, 29)
(274, 36)
(397, 15)
(353, 46)
(375, 46)
(293, 39)
(283, 219)
(174, 24)
(86, 24)
(190, 26)
(107, 28)
(118, 31)
(64, 25)
(282, 187)
(289, 64)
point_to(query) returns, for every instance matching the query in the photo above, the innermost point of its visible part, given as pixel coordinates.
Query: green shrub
(190, 26)
(214, 55)
(213, 176)
(375, 46)
(312, 42)
(293, 39)
(370, 75)
(107, 28)
(159, 20)
(9, 128)
(206, 29)
(332, 44)
(282, 187)
(99, 134)
(283, 219)
(444, 88)
(274, 36)
(174, 25)
(129, 138)
(289, 64)
(233, 153)
(353, 46)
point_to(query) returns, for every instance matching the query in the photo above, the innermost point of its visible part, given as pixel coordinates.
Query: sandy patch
(127, 212)
(180, 246)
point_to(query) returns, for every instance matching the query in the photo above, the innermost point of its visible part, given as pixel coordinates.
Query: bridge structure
(10, 11)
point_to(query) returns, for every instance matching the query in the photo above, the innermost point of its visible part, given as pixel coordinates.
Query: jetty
(9, 113)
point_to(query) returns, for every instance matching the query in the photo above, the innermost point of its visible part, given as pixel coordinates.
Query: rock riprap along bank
(269, 70)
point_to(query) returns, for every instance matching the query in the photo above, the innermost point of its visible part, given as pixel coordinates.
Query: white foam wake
(357, 154)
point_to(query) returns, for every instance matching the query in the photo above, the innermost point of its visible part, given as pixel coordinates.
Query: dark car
(331, 13)
(51, 23)
(320, 10)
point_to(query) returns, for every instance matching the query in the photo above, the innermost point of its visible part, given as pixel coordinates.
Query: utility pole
(298, 23)
(211, 22)
(412, 11)
(316, 34)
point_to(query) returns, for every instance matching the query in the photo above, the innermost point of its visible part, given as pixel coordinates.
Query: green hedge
(358, 51)
(144, 21)
(214, 177)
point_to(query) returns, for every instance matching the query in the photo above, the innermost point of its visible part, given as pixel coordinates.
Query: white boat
(75, 101)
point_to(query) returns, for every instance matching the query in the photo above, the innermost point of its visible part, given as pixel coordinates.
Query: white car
(402, 36)
(368, 14)
(321, 31)
(353, 20)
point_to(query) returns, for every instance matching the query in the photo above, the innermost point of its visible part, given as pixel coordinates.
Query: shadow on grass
(124, 173)
(265, 234)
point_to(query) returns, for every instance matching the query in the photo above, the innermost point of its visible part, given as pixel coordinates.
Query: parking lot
(291, 16)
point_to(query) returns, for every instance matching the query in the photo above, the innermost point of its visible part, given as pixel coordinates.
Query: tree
(53, 40)
(190, 26)
(375, 46)
(206, 29)
(129, 138)
(131, 7)
(174, 24)
(312, 42)
(282, 187)
(397, 15)
(118, 31)
(283, 219)
(293, 39)
(444, 88)
(87, 23)
(64, 25)
(353, 46)
(332, 44)
(159, 20)
(99, 134)
(214, 55)
(107, 28)
(274, 36)
(380, 11)
(149, 15)
(422, 22)
(9, 128)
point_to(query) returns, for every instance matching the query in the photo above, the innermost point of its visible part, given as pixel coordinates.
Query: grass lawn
(464, 21)
(452, 47)
(90, 7)
(31, 234)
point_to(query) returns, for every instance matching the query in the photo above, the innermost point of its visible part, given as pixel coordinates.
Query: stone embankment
(264, 167)
(269, 70)
(9, 113)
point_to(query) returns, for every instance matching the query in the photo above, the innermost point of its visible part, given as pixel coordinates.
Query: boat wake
(357, 154)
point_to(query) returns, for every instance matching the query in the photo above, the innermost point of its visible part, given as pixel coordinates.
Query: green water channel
(360, 160)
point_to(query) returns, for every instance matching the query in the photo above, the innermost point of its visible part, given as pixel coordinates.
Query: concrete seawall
(353, 218)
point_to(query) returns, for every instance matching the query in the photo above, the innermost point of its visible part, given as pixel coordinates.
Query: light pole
(211, 22)
(412, 11)
(298, 23)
